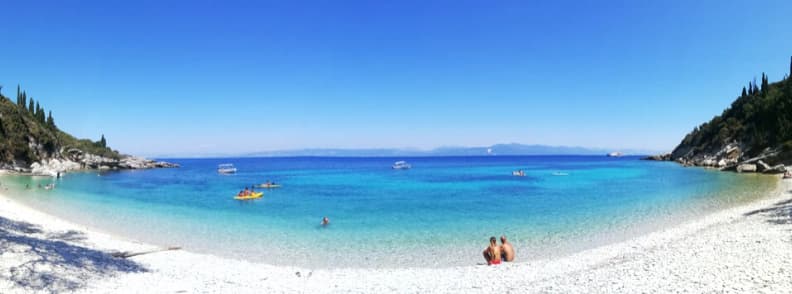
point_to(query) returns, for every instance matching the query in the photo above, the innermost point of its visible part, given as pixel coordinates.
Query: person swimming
(492, 254)
(325, 221)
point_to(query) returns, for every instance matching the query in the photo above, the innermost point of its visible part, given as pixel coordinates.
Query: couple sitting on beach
(494, 254)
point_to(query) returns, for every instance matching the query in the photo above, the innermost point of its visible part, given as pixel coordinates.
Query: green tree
(31, 106)
(750, 88)
(743, 93)
(42, 117)
(23, 97)
(103, 142)
(19, 98)
(764, 85)
(50, 120)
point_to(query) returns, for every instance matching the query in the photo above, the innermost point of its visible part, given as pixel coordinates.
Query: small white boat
(226, 168)
(615, 154)
(401, 165)
(518, 173)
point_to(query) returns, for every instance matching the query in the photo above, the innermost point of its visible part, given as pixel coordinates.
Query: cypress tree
(31, 107)
(42, 117)
(103, 142)
(764, 84)
(50, 120)
(743, 93)
(790, 66)
(24, 98)
(37, 110)
(19, 98)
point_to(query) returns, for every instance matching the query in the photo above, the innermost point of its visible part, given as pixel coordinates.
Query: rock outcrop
(729, 158)
(57, 167)
(658, 157)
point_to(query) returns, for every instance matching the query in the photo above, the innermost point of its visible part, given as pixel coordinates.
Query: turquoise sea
(439, 213)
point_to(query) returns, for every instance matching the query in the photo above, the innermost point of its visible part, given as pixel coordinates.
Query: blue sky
(199, 77)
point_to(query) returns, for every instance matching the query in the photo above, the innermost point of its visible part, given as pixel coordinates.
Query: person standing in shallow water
(507, 249)
(492, 253)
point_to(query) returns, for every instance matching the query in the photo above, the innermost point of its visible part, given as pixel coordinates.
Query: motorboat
(518, 173)
(226, 168)
(401, 165)
(615, 154)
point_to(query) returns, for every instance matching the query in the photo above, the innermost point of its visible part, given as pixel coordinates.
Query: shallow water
(439, 213)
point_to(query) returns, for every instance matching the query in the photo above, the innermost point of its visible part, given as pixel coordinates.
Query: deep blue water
(439, 213)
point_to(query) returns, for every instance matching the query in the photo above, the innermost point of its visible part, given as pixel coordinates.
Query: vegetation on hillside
(29, 134)
(760, 118)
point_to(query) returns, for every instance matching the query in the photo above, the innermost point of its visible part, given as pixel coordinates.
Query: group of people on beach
(495, 253)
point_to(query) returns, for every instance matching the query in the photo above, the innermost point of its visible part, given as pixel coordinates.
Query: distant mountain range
(498, 149)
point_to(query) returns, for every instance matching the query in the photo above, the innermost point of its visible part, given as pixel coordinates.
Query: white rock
(746, 168)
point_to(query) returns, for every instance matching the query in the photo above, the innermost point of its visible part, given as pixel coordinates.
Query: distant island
(754, 134)
(493, 150)
(31, 142)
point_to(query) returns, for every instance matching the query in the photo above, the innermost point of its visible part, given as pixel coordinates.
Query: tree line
(33, 107)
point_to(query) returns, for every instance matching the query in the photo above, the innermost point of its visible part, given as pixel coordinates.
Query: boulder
(761, 166)
(733, 152)
(659, 157)
(746, 168)
(776, 169)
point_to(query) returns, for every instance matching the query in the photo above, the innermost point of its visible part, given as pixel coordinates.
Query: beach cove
(438, 214)
(746, 248)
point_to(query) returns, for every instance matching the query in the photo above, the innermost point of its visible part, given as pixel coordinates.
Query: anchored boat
(226, 168)
(401, 165)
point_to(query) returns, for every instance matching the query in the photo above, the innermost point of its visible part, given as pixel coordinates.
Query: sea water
(439, 213)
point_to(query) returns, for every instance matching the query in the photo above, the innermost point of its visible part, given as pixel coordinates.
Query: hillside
(757, 126)
(30, 141)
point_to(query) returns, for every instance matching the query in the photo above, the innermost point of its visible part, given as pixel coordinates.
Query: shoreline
(743, 248)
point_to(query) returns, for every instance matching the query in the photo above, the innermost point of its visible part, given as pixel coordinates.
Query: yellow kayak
(270, 186)
(251, 196)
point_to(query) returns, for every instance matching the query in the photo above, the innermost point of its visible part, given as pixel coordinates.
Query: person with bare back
(492, 253)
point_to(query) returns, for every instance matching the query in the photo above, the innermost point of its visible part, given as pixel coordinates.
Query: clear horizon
(207, 77)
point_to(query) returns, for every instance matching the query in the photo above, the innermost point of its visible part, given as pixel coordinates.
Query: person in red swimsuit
(492, 253)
